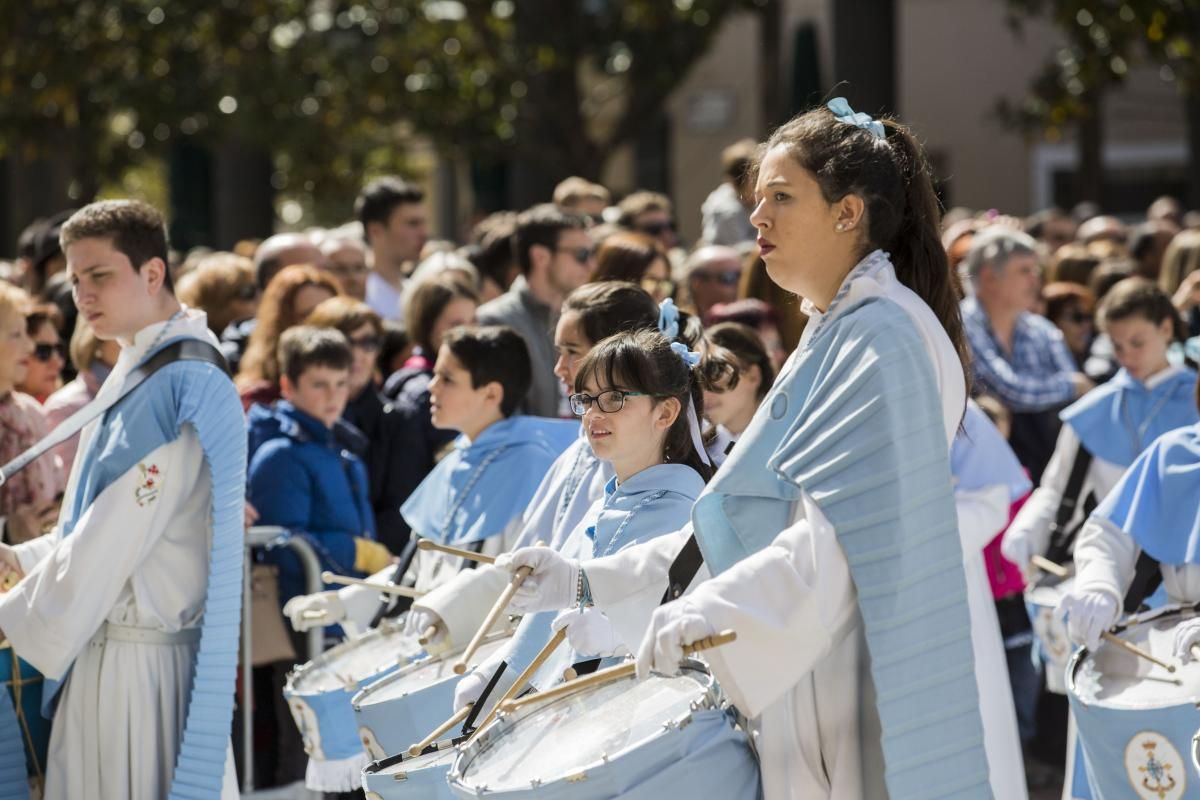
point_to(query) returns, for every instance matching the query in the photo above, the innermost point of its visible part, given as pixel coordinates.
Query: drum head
(565, 736)
(397, 766)
(426, 673)
(1115, 678)
(355, 661)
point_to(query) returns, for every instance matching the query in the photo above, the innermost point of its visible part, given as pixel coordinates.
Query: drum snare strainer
(1135, 719)
(657, 737)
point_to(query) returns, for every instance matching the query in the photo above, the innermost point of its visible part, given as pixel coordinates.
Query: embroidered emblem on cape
(1155, 768)
(148, 487)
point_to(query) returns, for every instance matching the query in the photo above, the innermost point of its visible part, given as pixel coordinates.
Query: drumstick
(493, 616)
(615, 673)
(522, 679)
(1137, 651)
(1046, 565)
(470, 555)
(459, 716)
(427, 635)
(386, 588)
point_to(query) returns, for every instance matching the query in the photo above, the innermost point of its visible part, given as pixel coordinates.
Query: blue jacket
(302, 478)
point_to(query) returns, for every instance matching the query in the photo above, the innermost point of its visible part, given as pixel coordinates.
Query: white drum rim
(1183, 610)
(298, 673)
(709, 700)
(375, 686)
(377, 766)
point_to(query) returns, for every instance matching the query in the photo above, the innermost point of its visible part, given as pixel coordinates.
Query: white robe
(120, 716)
(799, 667)
(983, 513)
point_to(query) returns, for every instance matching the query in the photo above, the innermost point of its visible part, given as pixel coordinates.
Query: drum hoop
(376, 767)
(503, 723)
(1183, 610)
(299, 672)
(376, 686)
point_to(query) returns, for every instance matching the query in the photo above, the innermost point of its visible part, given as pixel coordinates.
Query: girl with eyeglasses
(640, 396)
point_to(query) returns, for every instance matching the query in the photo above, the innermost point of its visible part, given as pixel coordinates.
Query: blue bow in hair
(842, 110)
(668, 319)
(690, 357)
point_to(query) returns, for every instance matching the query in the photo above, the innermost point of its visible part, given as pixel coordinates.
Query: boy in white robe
(115, 600)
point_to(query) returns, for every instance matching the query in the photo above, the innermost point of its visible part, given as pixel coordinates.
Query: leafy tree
(334, 89)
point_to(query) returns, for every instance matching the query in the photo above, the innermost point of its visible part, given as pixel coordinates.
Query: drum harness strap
(469, 723)
(1062, 538)
(1147, 575)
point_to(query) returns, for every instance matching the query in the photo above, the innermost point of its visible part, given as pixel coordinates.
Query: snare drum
(1052, 645)
(646, 740)
(400, 709)
(319, 695)
(1135, 719)
(405, 777)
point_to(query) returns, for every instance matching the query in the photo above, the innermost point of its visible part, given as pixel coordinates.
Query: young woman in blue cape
(1115, 421)
(829, 536)
(639, 396)
(130, 606)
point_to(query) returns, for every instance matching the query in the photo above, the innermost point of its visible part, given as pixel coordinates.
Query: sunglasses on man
(656, 228)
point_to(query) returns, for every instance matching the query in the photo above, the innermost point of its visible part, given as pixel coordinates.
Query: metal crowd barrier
(270, 536)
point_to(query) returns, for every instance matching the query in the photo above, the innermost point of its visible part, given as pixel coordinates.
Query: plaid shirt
(1035, 376)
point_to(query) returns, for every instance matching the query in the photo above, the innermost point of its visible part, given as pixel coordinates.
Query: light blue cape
(857, 423)
(1117, 420)
(201, 395)
(1157, 501)
(981, 457)
(483, 485)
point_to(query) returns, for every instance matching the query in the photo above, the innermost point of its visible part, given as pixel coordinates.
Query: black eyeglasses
(45, 352)
(581, 254)
(247, 292)
(347, 269)
(728, 277)
(368, 344)
(1078, 317)
(609, 402)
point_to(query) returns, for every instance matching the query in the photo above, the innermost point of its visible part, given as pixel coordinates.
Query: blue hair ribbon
(690, 357)
(844, 113)
(668, 319)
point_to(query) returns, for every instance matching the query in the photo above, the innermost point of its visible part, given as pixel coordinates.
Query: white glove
(589, 632)
(468, 690)
(671, 627)
(314, 610)
(1017, 547)
(1187, 635)
(1088, 614)
(418, 619)
(553, 584)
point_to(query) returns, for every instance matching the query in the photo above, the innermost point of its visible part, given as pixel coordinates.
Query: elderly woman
(29, 499)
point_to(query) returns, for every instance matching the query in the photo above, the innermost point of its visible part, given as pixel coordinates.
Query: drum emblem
(1154, 767)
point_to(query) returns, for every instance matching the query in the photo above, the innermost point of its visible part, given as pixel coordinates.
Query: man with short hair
(396, 227)
(725, 214)
(650, 213)
(346, 260)
(713, 273)
(284, 250)
(135, 595)
(1018, 356)
(582, 196)
(556, 256)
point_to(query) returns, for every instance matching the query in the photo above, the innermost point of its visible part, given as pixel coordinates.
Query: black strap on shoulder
(1062, 537)
(474, 547)
(683, 570)
(182, 350)
(389, 605)
(1147, 576)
